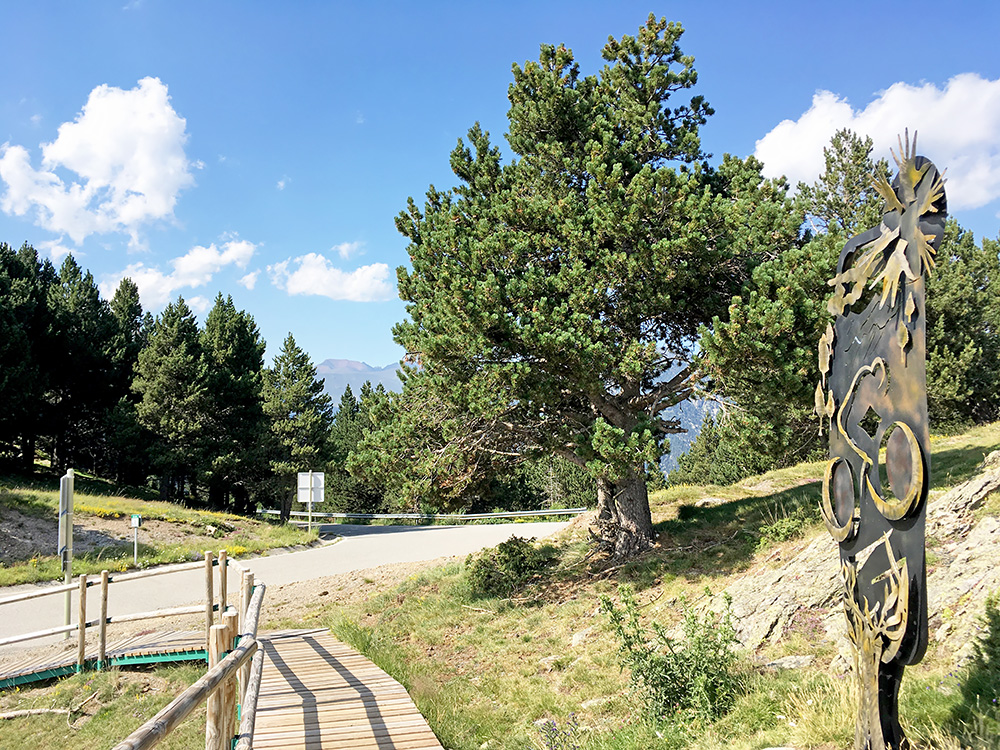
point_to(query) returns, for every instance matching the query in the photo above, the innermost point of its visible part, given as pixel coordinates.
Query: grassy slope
(196, 530)
(125, 700)
(484, 672)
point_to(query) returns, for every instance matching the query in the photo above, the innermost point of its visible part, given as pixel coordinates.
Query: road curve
(359, 548)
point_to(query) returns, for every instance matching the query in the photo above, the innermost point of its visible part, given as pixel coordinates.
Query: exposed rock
(595, 702)
(791, 662)
(964, 569)
(581, 637)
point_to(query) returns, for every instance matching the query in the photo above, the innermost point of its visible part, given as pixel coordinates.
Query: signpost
(310, 490)
(136, 523)
(65, 543)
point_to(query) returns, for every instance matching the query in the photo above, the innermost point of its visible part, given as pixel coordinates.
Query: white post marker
(310, 490)
(136, 523)
(65, 543)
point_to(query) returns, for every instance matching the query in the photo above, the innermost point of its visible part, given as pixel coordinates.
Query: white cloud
(314, 274)
(199, 305)
(958, 126)
(57, 251)
(347, 249)
(283, 182)
(194, 269)
(36, 119)
(126, 149)
(250, 280)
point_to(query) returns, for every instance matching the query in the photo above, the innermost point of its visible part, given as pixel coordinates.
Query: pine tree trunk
(634, 534)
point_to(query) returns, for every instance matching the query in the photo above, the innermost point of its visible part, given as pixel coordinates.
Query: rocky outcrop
(963, 568)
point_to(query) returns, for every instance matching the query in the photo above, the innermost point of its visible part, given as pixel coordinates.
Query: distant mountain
(337, 374)
(691, 414)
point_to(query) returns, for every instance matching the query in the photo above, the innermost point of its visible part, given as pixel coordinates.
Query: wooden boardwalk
(147, 647)
(318, 693)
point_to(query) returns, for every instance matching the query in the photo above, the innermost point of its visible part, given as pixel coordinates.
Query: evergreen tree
(963, 331)
(16, 371)
(127, 442)
(80, 387)
(300, 414)
(171, 382)
(235, 423)
(129, 336)
(345, 492)
(761, 360)
(842, 200)
(554, 301)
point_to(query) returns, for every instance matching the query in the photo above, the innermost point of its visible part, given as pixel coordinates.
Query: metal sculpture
(872, 393)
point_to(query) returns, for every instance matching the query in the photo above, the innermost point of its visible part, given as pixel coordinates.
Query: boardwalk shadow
(372, 712)
(310, 711)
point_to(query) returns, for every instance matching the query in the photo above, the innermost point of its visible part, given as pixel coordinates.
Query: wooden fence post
(229, 686)
(215, 738)
(209, 600)
(102, 638)
(246, 591)
(81, 649)
(223, 581)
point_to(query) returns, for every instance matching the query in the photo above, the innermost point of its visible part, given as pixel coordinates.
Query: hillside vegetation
(540, 667)
(29, 520)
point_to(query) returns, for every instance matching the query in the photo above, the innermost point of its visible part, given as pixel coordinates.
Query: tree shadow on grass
(977, 716)
(957, 465)
(723, 539)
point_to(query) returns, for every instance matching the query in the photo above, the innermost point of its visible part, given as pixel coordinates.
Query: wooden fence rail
(217, 687)
(84, 582)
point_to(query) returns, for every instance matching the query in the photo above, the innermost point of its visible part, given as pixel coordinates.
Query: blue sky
(263, 149)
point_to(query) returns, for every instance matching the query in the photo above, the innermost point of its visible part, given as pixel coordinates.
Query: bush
(502, 571)
(699, 676)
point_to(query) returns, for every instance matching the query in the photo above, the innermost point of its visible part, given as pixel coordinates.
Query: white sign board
(310, 487)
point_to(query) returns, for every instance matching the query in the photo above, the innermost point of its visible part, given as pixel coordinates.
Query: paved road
(359, 547)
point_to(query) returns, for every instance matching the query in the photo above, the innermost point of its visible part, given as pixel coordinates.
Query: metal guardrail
(433, 516)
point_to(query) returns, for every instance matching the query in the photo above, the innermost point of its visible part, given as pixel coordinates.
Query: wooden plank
(145, 644)
(319, 693)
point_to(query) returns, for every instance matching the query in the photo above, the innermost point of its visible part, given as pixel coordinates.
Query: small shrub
(699, 676)
(554, 737)
(783, 526)
(502, 571)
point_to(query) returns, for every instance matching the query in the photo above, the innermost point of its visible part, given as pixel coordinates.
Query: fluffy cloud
(126, 149)
(347, 249)
(194, 269)
(250, 280)
(959, 129)
(314, 274)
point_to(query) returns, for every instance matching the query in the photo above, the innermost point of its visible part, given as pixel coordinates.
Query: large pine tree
(81, 387)
(554, 300)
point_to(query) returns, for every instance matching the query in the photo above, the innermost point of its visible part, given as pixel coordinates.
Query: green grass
(200, 529)
(484, 671)
(124, 702)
